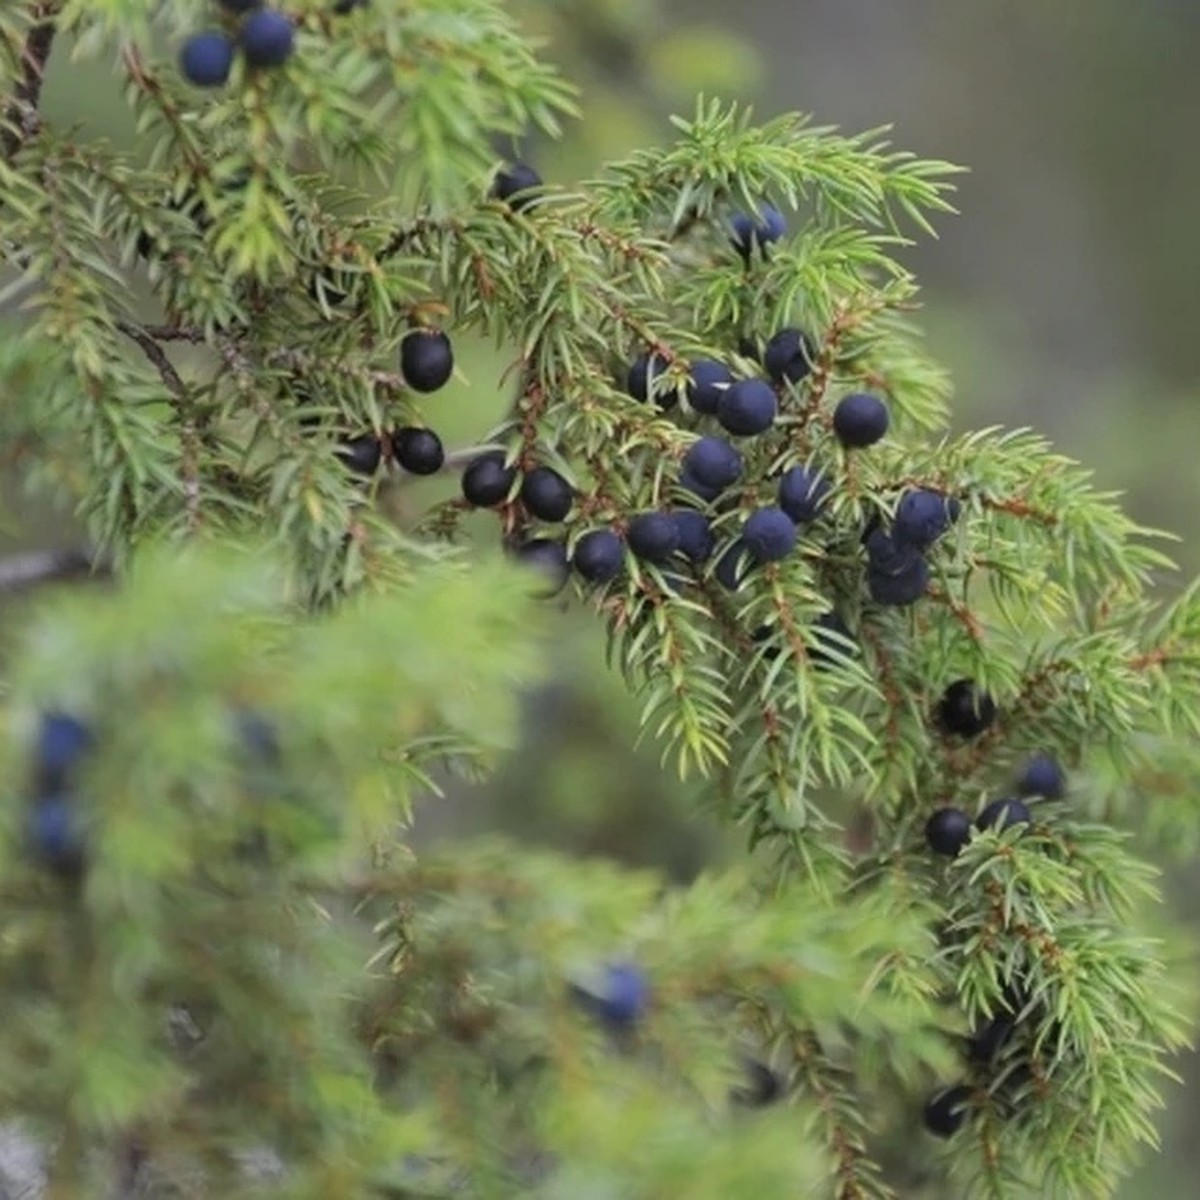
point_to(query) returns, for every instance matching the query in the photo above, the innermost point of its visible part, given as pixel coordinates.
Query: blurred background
(1063, 296)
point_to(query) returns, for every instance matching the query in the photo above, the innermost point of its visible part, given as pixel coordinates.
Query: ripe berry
(1042, 776)
(948, 831)
(922, 517)
(426, 359)
(713, 462)
(860, 420)
(487, 481)
(639, 381)
(549, 558)
(267, 38)
(418, 450)
(514, 184)
(832, 639)
(789, 355)
(1002, 813)
(599, 556)
(62, 742)
(689, 483)
(361, 454)
(989, 1039)
(750, 231)
(206, 59)
(747, 407)
(625, 994)
(546, 494)
(734, 566)
(769, 534)
(898, 589)
(653, 537)
(55, 833)
(707, 379)
(750, 346)
(965, 709)
(696, 538)
(763, 1087)
(946, 1111)
(802, 493)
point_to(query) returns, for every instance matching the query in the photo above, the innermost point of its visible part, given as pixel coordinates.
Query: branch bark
(19, 572)
(21, 119)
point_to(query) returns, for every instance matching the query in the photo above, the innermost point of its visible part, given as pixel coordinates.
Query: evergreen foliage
(214, 935)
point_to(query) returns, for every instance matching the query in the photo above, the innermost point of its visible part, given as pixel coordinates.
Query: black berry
(789, 356)
(640, 379)
(426, 359)
(1042, 776)
(922, 517)
(239, 6)
(56, 838)
(696, 538)
(747, 407)
(860, 420)
(713, 462)
(546, 494)
(948, 831)
(896, 575)
(945, 1112)
(763, 1086)
(514, 184)
(769, 534)
(802, 493)
(734, 566)
(361, 454)
(750, 231)
(418, 450)
(549, 558)
(206, 59)
(487, 481)
(267, 38)
(599, 556)
(965, 709)
(1002, 813)
(707, 379)
(653, 537)
(987, 1041)
(342, 7)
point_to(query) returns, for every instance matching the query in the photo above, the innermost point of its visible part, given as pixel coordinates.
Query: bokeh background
(1063, 296)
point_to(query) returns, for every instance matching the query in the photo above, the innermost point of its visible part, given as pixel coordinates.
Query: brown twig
(21, 120)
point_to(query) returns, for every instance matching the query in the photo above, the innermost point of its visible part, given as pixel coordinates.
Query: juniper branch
(21, 120)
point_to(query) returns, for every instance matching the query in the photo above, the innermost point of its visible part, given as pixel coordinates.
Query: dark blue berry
(789, 356)
(769, 534)
(546, 494)
(640, 380)
(734, 566)
(653, 537)
(696, 538)
(267, 38)
(885, 555)
(945, 1112)
(426, 359)
(689, 483)
(713, 462)
(747, 408)
(258, 735)
(707, 379)
(750, 231)
(802, 493)
(599, 556)
(948, 831)
(624, 995)
(56, 837)
(549, 558)
(860, 419)
(898, 589)
(965, 709)
(206, 59)
(922, 517)
(487, 481)
(417, 450)
(1002, 813)
(62, 743)
(515, 183)
(361, 454)
(989, 1040)
(763, 1086)
(1042, 776)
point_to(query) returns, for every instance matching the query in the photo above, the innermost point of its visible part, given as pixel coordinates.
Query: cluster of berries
(54, 825)
(265, 37)
(965, 710)
(426, 362)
